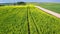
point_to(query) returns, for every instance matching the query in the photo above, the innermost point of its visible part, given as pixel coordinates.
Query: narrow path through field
(34, 23)
(48, 11)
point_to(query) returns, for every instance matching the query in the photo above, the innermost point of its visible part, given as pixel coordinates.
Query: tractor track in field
(48, 11)
(34, 23)
(28, 20)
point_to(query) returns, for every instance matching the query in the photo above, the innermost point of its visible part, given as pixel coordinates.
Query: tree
(21, 3)
(1, 5)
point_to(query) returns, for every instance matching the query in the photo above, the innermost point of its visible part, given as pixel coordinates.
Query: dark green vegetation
(21, 3)
(16, 3)
(51, 6)
(27, 20)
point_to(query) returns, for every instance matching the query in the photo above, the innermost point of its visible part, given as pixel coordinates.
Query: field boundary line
(49, 11)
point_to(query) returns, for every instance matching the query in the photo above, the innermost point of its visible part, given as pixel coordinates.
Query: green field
(51, 6)
(27, 20)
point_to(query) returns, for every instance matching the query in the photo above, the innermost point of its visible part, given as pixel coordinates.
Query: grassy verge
(51, 6)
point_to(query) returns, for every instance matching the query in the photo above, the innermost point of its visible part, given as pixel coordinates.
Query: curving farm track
(48, 11)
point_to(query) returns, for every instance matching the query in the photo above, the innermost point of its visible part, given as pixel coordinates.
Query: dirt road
(48, 11)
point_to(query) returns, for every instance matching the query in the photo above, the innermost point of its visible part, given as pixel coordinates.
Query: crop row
(27, 20)
(13, 21)
(43, 23)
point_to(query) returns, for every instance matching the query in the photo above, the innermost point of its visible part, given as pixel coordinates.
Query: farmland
(27, 20)
(51, 6)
